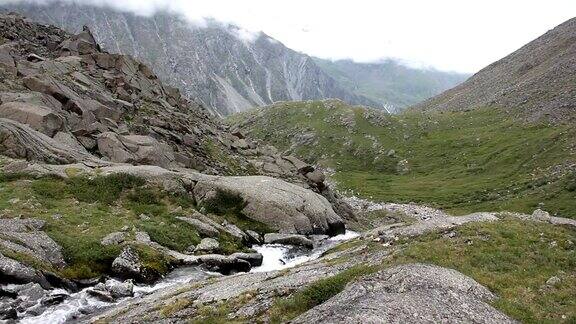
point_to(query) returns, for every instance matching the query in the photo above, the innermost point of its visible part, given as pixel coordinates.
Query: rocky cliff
(224, 71)
(535, 82)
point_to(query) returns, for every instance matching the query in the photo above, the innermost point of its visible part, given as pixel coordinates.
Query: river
(275, 257)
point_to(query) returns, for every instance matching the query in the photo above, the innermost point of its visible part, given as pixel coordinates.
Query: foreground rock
(413, 293)
(283, 206)
(288, 239)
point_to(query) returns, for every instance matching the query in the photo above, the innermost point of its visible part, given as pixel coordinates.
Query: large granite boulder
(283, 206)
(413, 293)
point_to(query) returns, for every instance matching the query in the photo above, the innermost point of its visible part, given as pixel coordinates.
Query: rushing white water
(276, 257)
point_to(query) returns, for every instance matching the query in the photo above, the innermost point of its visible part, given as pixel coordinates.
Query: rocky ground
(382, 291)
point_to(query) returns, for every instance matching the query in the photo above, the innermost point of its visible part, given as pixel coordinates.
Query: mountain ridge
(534, 82)
(224, 73)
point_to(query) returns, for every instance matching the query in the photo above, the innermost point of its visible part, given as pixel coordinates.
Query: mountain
(390, 83)
(218, 66)
(535, 82)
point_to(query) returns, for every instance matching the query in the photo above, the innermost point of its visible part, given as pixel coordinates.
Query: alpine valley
(126, 197)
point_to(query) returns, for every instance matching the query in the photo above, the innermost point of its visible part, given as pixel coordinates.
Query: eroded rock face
(413, 293)
(276, 203)
(39, 118)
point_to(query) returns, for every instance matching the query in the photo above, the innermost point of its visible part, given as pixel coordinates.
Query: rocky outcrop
(25, 236)
(12, 271)
(413, 293)
(39, 118)
(283, 206)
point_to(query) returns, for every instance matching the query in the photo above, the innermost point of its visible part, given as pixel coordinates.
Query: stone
(288, 239)
(255, 259)
(25, 236)
(119, 289)
(316, 176)
(240, 144)
(135, 149)
(99, 291)
(16, 272)
(69, 140)
(302, 167)
(127, 264)
(278, 204)
(553, 281)
(202, 228)
(207, 245)
(37, 117)
(54, 299)
(115, 238)
(224, 264)
(254, 237)
(413, 293)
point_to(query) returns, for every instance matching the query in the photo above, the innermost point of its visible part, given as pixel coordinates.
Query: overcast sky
(445, 34)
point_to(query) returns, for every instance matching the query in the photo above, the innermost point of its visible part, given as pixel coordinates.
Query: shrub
(230, 205)
(104, 189)
(50, 188)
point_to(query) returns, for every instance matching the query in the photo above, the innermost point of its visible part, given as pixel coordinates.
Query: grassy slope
(79, 212)
(462, 161)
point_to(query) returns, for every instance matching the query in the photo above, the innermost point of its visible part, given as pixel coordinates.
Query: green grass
(460, 161)
(229, 206)
(78, 220)
(513, 259)
(315, 294)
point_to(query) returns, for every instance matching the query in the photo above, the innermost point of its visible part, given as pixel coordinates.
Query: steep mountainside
(392, 84)
(536, 81)
(216, 66)
(463, 161)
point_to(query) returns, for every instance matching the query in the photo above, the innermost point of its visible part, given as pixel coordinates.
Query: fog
(461, 36)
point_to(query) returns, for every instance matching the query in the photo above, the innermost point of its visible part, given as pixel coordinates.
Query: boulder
(255, 259)
(135, 149)
(127, 264)
(254, 237)
(118, 289)
(288, 239)
(71, 141)
(12, 271)
(39, 118)
(202, 228)
(115, 238)
(224, 264)
(207, 245)
(280, 205)
(316, 176)
(302, 167)
(99, 291)
(413, 293)
(25, 236)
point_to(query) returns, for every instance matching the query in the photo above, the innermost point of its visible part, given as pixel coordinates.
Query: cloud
(445, 34)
